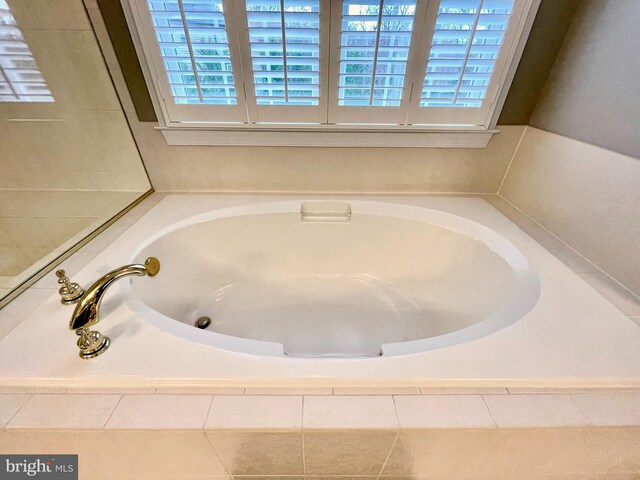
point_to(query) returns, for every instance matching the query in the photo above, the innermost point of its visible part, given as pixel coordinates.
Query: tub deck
(571, 338)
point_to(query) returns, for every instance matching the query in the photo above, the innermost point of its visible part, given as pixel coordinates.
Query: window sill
(328, 136)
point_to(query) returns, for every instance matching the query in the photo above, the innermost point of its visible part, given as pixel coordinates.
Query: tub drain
(202, 322)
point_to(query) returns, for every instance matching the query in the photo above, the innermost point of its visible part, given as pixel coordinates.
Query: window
(20, 79)
(339, 65)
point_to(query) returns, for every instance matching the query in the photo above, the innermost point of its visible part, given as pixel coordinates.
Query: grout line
(215, 452)
(304, 456)
(600, 270)
(386, 460)
(307, 193)
(581, 410)
(18, 410)
(489, 410)
(515, 152)
(104, 425)
(395, 409)
(206, 418)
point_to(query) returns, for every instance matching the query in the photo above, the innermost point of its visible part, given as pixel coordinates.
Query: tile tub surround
(36, 226)
(65, 371)
(585, 195)
(223, 436)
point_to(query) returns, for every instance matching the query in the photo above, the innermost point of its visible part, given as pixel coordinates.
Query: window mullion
(187, 37)
(468, 51)
(376, 50)
(324, 78)
(284, 52)
(233, 21)
(418, 54)
(242, 38)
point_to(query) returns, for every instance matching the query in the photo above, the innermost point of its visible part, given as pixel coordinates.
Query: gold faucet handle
(152, 264)
(62, 276)
(70, 292)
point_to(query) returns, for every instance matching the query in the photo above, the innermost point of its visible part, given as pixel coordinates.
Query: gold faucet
(91, 342)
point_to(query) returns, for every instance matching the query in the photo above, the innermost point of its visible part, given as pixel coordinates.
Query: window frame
(202, 126)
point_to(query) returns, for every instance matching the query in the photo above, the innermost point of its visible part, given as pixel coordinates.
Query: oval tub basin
(347, 279)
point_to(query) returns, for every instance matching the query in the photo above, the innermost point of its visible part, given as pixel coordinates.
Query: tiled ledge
(393, 437)
(317, 412)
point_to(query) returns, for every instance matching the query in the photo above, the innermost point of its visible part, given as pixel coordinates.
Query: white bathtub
(427, 291)
(333, 278)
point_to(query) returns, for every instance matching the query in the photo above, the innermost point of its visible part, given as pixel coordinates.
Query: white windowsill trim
(327, 136)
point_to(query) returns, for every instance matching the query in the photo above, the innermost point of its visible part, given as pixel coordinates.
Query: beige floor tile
(253, 412)
(509, 453)
(349, 412)
(160, 412)
(65, 411)
(92, 447)
(443, 411)
(610, 409)
(9, 405)
(341, 477)
(258, 453)
(157, 454)
(535, 411)
(347, 452)
(270, 477)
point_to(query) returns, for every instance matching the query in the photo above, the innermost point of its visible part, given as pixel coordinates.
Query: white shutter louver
(466, 43)
(194, 47)
(20, 78)
(414, 63)
(284, 37)
(374, 49)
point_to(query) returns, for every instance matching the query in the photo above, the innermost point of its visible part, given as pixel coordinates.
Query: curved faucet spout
(86, 312)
